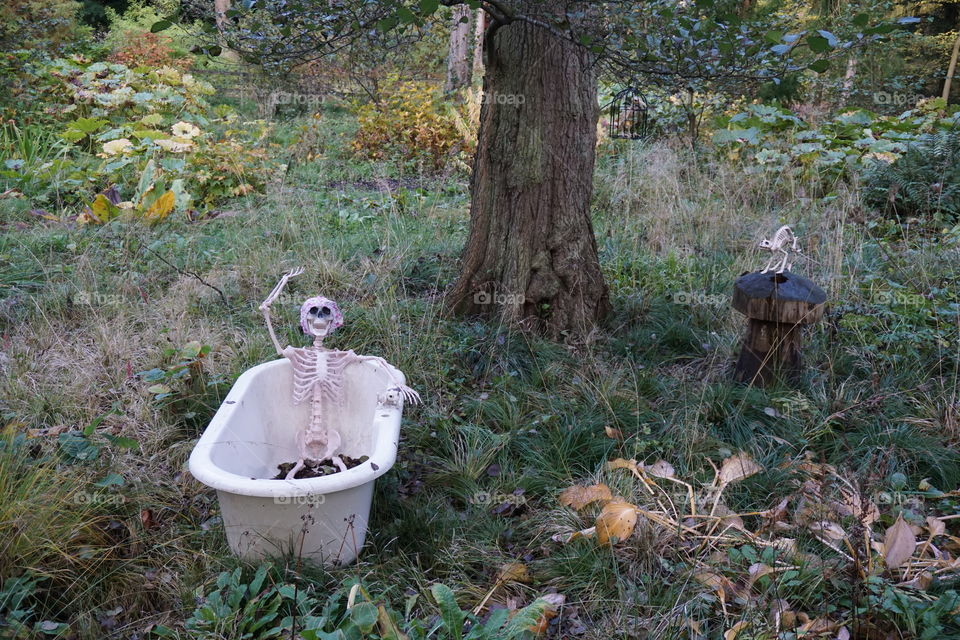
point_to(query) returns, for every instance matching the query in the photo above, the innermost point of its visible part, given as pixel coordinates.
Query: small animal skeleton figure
(318, 375)
(783, 241)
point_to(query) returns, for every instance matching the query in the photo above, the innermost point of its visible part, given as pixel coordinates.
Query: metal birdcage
(628, 114)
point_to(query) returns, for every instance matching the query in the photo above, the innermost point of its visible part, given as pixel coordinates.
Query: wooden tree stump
(777, 306)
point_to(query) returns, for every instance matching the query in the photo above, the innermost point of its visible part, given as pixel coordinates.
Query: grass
(506, 414)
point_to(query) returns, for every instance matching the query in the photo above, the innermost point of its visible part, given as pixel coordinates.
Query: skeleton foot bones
(318, 375)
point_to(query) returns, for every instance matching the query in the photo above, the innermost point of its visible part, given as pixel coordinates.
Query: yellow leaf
(513, 572)
(736, 468)
(899, 543)
(159, 209)
(388, 628)
(579, 497)
(732, 632)
(103, 210)
(620, 463)
(616, 521)
(613, 434)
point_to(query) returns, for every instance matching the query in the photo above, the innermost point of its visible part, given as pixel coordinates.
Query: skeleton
(783, 241)
(318, 375)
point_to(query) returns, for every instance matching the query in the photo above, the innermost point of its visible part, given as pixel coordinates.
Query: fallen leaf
(899, 543)
(579, 497)
(920, 581)
(617, 520)
(660, 469)
(737, 467)
(782, 616)
(514, 572)
(829, 530)
(722, 585)
(614, 434)
(731, 633)
(936, 526)
(621, 463)
(757, 571)
(554, 603)
(818, 626)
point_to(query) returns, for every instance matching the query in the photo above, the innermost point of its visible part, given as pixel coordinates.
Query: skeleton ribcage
(316, 370)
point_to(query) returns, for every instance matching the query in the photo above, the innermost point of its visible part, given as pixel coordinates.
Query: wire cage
(629, 114)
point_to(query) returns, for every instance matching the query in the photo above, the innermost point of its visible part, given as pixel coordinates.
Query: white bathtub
(322, 519)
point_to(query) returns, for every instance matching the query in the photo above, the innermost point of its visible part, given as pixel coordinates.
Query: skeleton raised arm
(318, 376)
(265, 305)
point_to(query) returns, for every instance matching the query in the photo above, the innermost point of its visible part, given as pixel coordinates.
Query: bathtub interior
(262, 433)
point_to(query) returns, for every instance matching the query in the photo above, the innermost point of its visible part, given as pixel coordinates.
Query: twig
(192, 274)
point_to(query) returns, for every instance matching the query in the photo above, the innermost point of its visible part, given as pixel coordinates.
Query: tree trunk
(480, 27)
(220, 8)
(459, 52)
(531, 255)
(847, 87)
(951, 70)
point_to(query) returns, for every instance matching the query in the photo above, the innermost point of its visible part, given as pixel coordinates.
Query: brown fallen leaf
(830, 530)
(757, 571)
(513, 572)
(554, 603)
(936, 526)
(731, 633)
(614, 434)
(616, 521)
(621, 463)
(899, 543)
(737, 467)
(579, 497)
(660, 469)
(721, 584)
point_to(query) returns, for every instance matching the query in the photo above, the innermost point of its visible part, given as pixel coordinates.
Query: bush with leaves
(144, 133)
(772, 138)
(145, 49)
(411, 124)
(924, 182)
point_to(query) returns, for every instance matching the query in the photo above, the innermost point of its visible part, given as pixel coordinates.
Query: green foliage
(17, 611)
(147, 132)
(37, 25)
(770, 138)
(261, 610)
(924, 182)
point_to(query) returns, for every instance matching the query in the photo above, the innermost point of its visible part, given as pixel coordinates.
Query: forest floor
(119, 536)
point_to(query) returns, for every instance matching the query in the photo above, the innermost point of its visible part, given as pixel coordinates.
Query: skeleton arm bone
(265, 305)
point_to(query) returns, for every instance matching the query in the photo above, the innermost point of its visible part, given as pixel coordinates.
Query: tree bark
(950, 71)
(220, 8)
(531, 256)
(480, 27)
(460, 49)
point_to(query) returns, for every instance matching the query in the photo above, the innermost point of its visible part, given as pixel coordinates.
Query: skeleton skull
(320, 316)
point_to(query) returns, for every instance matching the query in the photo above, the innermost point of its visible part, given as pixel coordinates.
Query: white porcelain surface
(323, 519)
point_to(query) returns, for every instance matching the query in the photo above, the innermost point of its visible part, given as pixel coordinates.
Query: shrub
(145, 138)
(412, 124)
(924, 182)
(770, 138)
(148, 50)
(45, 25)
